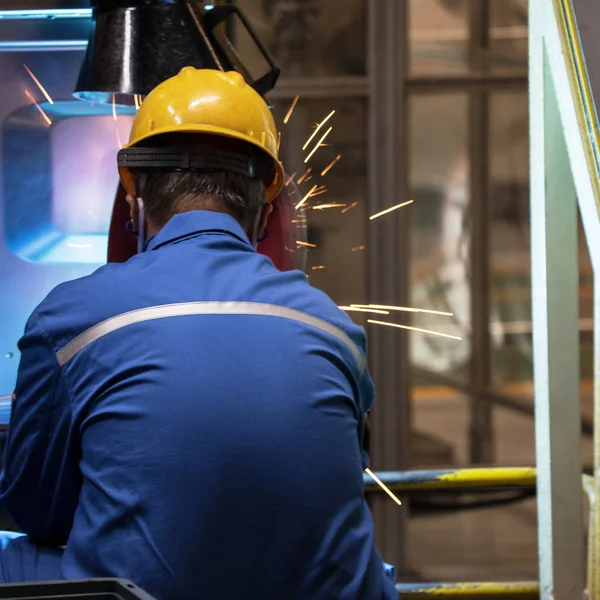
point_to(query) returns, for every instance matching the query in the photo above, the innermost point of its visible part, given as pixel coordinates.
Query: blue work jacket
(192, 420)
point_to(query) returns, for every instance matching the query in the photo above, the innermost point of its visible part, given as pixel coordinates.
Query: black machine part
(137, 44)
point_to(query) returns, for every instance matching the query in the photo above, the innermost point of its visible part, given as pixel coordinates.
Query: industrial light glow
(47, 13)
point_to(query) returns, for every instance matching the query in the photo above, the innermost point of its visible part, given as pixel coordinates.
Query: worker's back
(213, 436)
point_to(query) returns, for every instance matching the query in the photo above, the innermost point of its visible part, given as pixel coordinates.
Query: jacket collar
(196, 222)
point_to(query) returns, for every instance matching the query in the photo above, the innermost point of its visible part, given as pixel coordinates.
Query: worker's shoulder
(74, 306)
(295, 292)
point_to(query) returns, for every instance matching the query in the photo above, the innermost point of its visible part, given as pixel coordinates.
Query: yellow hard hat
(210, 102)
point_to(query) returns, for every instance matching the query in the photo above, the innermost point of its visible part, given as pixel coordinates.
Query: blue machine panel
(58, 174)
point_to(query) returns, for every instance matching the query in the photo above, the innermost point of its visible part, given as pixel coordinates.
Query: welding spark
(330, 165)
(291, 110)
(387, 210)
(290, 179)
(364, 310)
(307, 244)
(137, 104)
(317, 146)
(312, 189)
(278, 140)
(309, 140)
(324, 206)
(40, 109)
(350, 207)
(114, 107)
(36, 81)
(319, 268)
(356, 249)
(446, 335)
(405, 309)
(308, 179)
(384, 487)
(303, 176)
(320, 190)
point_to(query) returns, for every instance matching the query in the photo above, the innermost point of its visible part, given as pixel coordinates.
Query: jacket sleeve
(367, 397)
(40, 480)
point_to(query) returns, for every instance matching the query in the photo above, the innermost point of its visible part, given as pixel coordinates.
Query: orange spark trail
(40, 109)
(388, 210)
(350, 207)
(383, 486)
(364, 310)
(36, 81)
(307, 244)
(114, 107)
(309, 140)
(291, 110)
(318, 144)
(290, 178)
(446, 335)
(330, 166)
(405, 309)
(324, 206)
(307, 196)
(356, 249)
(303, 176)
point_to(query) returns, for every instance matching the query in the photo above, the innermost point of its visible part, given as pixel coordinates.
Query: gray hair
(169, 193)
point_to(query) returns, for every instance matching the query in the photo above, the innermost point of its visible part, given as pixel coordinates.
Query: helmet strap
(255, 163)
(254, 230)
(141, 226)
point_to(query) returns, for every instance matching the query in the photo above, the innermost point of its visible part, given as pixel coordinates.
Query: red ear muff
(286, 227)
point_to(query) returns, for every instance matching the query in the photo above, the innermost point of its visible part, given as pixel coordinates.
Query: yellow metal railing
(490, 479)
(453, 480)
(487, 480)
(469, 591)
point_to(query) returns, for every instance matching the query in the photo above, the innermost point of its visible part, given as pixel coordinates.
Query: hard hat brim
(274, 183)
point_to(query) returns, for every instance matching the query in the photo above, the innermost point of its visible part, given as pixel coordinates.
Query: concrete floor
(483, 545)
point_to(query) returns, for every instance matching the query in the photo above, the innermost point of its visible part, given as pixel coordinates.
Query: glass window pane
(439, 36)
(307, 38)
(510, 259)
(439, 179)
(338, 232)
(508, 35)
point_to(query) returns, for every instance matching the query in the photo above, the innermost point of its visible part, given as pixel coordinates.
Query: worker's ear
(266, 211)
(133, 212)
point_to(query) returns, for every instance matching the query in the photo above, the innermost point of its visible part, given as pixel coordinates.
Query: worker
(192, 419)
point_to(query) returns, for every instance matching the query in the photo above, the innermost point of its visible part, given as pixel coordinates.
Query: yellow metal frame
(470, 591)
(562, 105)
(585, 110)
(456, 479)
(490, 480)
